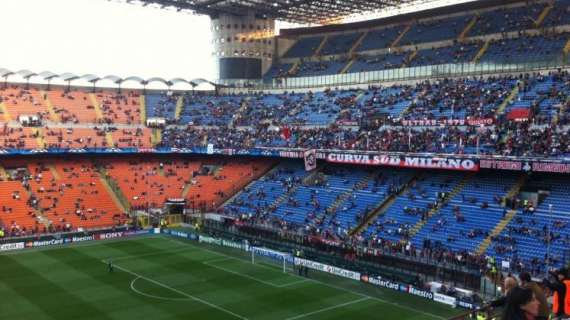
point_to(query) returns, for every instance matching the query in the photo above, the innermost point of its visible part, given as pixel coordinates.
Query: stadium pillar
(243, 46)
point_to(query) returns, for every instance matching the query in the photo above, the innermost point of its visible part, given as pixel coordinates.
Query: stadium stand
(437, 40)
(435, 30)
(305, 47)
(501, 115)
(18, 101)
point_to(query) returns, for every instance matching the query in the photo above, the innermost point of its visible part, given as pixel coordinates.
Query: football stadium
(345, 160)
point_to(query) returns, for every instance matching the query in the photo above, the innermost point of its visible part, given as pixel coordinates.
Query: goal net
(276, 259)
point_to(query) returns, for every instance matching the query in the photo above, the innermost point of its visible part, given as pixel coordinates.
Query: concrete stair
(496, 231)
(96, 106)
(3, 174)
(39, 212)
(5, 113)
(399, 38)
(503, 106)
(155, 136)
(468, 28)
(242, 109)
(237, 194)
(410, 58)
(482, 51)
(284, 196)
(52, 113)
(179, 106)
(109, 140)
(538, 22)
(357, 43)
(515, 189)
(321, 46)
(54, 171)
(417, 227)
(383, 207)
(142, 106)
(114, 191)
(294, 67)
(40, 140)
(333, 206)
(347, 66)
(566, 49)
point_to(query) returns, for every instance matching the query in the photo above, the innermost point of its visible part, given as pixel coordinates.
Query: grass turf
(166, 278)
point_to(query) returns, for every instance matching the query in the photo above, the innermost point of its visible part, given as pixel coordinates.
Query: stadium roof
(297, 11)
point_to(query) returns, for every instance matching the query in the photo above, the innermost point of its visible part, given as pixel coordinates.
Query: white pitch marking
(160, 284)
(153, 296)
(324, 283)
(208, 263)
(329, 308)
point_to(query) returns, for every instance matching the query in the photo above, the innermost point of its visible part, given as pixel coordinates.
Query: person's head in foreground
(521, 305)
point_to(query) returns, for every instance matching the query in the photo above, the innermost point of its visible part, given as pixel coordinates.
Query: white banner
(328, 269)
(43, 243)
(11, 246)
(209, 240)
(441, 298)
(272, 254)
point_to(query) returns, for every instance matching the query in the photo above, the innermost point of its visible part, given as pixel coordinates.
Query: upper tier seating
(304, 47)
(18, 138)
(208, 110)
(320, 68)
(379, 38)
(18, 101)
(73, 106)
(526, 48)
(435, 30)
(559, 15)
(458, 53)
(499, 20)
(339, 43)
(120, 108)
(366, 63)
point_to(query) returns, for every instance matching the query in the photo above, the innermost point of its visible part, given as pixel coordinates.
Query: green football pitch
(160, 277)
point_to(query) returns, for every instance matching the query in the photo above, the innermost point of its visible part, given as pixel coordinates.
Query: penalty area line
(329, 308)
(182, 293)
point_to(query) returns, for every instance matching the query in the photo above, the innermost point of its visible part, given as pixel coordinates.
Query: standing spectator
(526, 282)
(509, 284)
(521, 304)
(559, 286)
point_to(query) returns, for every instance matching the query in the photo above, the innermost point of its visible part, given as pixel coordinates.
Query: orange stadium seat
(125, 138)
(74, 106)
(19, 101)
(18, 137)
(71, 195)
(145, 184)
(15, 213)
(74, 138)
(120, 108)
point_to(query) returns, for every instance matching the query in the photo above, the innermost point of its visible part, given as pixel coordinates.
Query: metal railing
(467, 69)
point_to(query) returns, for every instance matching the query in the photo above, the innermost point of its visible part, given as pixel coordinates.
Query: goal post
(281, 260)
